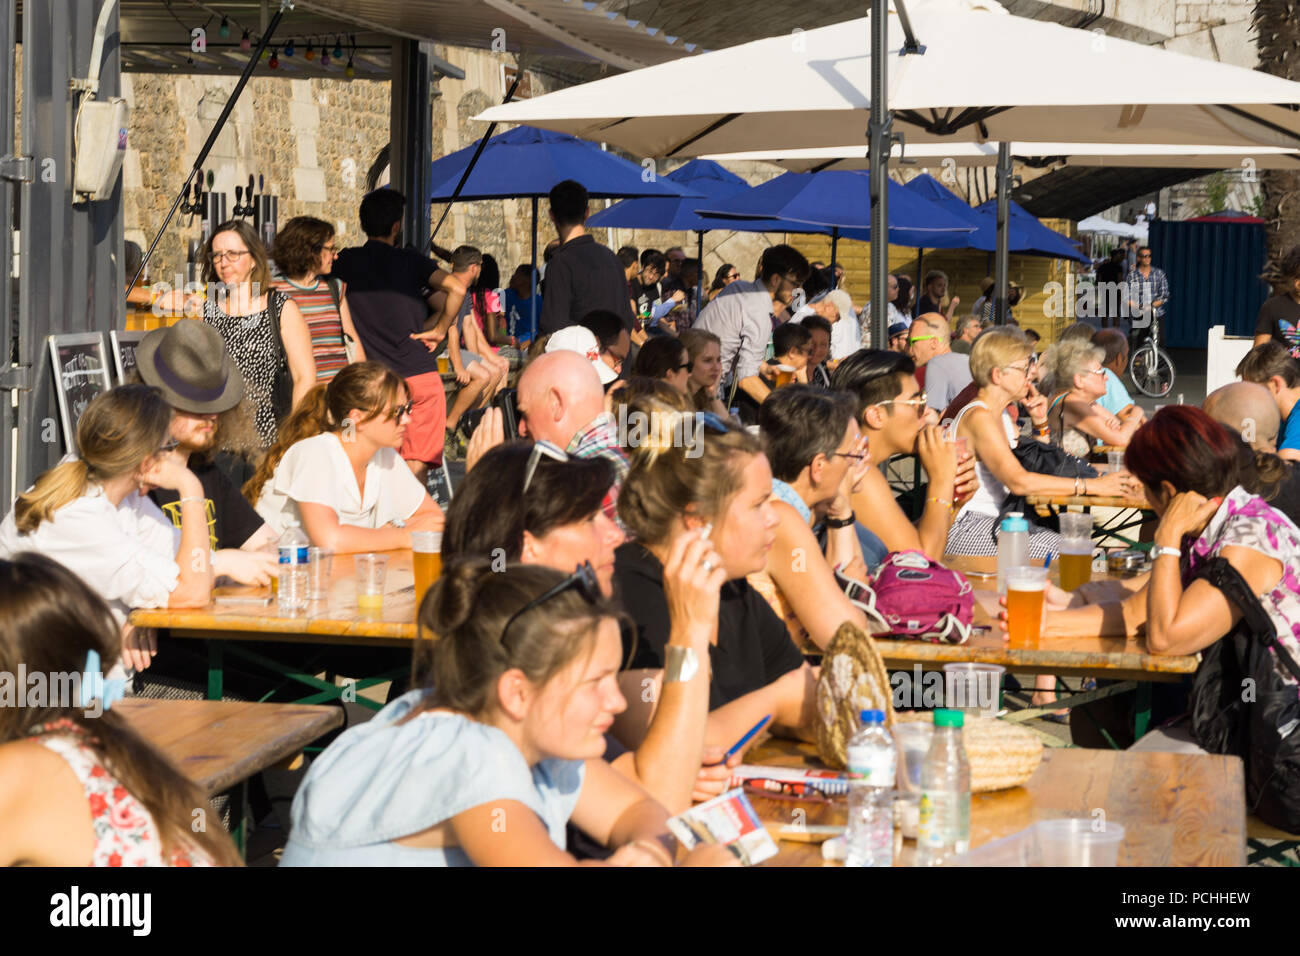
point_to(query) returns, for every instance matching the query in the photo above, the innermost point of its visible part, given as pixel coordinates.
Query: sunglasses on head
(540, 448)
(583, 580)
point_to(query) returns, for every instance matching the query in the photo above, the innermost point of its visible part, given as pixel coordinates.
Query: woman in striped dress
(304, 252)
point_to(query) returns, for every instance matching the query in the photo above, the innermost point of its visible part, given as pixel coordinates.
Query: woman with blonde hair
(78, 786)
(335, 468)
(304, 252)
(93, 515)
(705, 351)
(1001, 364)
(1079, 379)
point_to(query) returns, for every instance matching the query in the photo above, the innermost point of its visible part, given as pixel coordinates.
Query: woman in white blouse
(336, 470)
(93, 515)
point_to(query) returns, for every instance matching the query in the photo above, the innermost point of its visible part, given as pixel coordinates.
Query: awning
(156, 35)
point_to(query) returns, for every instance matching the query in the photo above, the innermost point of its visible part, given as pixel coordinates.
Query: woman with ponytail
(335, 468)
(78, 787)
(486, 763)
(93, 514)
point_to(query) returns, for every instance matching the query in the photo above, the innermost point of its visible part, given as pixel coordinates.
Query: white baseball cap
(576, 338)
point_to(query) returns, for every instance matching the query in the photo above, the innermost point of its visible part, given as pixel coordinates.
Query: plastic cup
(1075, 842)
(1025, 606)
(913, 739)
(371, 571)
(426, 550)
(784, 375)
(444, 364)
(1115, 460)
(976, 688)
(319, 564)
(1076, 524)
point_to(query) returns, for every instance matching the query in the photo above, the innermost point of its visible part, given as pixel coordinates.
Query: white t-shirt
(126, 554)
(316, 469)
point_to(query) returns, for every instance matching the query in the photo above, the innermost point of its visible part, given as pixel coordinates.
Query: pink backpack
(914, 597)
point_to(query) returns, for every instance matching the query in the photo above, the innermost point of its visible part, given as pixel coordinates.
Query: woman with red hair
(1189, 466)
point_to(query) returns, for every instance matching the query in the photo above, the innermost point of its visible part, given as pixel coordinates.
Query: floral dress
(125, 833)
(254, 347)
(1248, 521)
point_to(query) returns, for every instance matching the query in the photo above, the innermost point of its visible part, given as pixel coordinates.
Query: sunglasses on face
(169, 445)
(920, 338)
(688, 367)
(398, 412)
(583, 580)
(540, 448)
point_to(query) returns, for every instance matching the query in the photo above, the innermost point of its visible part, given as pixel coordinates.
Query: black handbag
(282, 384)
(1241, 705)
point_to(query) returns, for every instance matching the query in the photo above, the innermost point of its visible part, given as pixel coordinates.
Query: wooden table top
(1088, 501)
(1176, 809)
(219, 743)
(337, 620)
(1110, 657)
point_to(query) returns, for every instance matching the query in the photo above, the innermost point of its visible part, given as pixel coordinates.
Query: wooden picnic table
(1176, 809)
(221, 743)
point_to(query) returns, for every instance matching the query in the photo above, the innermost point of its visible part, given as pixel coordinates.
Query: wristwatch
(680, 664)
(838, 522)
(1172, 552)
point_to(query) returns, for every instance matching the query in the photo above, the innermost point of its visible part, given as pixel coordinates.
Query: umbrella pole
(920, 265)
(1003, 262)
(835, 241)
(878, 130)
(699, 281)
(532, 302)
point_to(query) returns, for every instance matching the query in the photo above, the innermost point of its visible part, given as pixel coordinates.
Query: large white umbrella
(954, 71)
(1069, 154)
(1107, 227)
(984, 76)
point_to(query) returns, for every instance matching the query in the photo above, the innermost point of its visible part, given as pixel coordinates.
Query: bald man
(946, 372)
(560, 400)
(1251, 411)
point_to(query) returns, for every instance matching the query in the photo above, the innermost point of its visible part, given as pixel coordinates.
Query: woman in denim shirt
(486, 764)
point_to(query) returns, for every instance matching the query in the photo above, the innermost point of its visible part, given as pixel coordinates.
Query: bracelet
(1076, 486)
(941, 501)
(192, 498)
(1171, 552)
(838, 522)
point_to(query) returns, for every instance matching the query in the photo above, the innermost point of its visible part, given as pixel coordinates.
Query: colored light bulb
(245, 43)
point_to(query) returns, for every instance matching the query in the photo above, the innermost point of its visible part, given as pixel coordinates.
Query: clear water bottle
(944, 829)
(873, 763)
(1013, 546)
(291, 587)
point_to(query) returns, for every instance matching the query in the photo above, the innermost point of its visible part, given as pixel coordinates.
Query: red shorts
(426, 431)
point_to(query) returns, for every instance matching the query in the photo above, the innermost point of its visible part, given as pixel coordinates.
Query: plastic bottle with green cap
(1013, 546)
(944, 829)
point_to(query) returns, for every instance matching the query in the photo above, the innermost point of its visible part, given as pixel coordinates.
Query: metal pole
(878, 134)
(474, 160)
(835, 241)
(254, 58)
(1002, 262)
(532, 302)
(699, 281)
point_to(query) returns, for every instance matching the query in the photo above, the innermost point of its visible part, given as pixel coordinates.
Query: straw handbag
(853, 679)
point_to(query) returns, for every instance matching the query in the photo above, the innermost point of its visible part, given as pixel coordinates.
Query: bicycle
(1149, 366)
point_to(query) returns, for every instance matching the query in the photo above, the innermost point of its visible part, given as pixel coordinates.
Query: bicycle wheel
(1152, 370)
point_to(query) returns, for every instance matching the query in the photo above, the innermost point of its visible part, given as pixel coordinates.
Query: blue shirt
(519, 316)
(1117, 396)
(384, 780)
(1291, 430)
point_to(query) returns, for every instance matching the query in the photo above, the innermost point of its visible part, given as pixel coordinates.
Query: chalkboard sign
(124, 345)
(80, 373)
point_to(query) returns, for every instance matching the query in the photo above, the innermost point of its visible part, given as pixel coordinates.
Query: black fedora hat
(192, 366)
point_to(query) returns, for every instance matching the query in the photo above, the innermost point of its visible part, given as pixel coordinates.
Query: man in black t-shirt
(189, 363)
(583, 275)
(385, 287)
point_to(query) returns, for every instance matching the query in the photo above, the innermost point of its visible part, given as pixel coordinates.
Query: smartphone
(246, 599)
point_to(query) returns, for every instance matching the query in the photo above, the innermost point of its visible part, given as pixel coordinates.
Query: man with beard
(189, 363)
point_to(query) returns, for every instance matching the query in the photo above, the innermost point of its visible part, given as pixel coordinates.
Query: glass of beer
(1075, 562)
(1025, 610)
(784, 375)
(371, 571)
(426, 549)
(444, 364)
